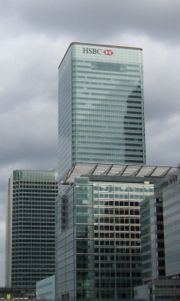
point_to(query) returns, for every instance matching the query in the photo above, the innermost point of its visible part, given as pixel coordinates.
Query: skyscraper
(101, 106)
(30, 237)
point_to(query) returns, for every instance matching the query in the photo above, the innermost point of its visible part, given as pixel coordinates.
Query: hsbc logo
(108, 52)
(98, 51)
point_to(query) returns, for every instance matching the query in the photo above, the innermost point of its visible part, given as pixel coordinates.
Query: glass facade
(152, 238)
(30, 243)
(159, 290)
(101, 106)
(98, 238)
(171, 208)
(45, 289)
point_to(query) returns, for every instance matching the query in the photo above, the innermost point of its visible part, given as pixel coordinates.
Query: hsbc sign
(98, 51)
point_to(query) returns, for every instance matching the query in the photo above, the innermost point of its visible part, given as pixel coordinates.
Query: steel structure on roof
(91, 169)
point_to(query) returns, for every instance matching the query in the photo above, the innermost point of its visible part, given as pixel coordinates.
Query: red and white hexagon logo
(108, 52)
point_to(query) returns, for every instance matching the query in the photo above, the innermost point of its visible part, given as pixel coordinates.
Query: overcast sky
(34, 35)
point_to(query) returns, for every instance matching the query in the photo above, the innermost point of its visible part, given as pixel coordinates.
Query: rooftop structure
(119, 170)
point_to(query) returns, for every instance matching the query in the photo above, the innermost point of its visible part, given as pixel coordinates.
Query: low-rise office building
(160, 228)
(158, 290)
(98, 245)
(160, 240)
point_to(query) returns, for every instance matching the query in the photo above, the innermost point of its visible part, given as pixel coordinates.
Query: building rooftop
(34, 175)
(141, 171)
(99, 45)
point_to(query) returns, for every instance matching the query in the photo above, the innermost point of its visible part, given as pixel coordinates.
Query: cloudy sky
(33, 38)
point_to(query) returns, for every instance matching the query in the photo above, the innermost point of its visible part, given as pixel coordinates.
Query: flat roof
(111, 170)
(101, 45)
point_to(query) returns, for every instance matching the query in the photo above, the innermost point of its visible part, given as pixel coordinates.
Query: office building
(160, 230)
(160, 242)
(30, 237)
(171, 209)
(158, 290)
(101, 106)
(152, 238)
(98, 230)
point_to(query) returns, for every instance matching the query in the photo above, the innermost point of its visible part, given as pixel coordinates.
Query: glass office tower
(30, 236)
(101, 106)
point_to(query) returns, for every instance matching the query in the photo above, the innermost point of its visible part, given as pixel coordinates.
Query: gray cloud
(163, 144)
(95, 19)
(162, 89)
(26, 72)
(29, 134)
